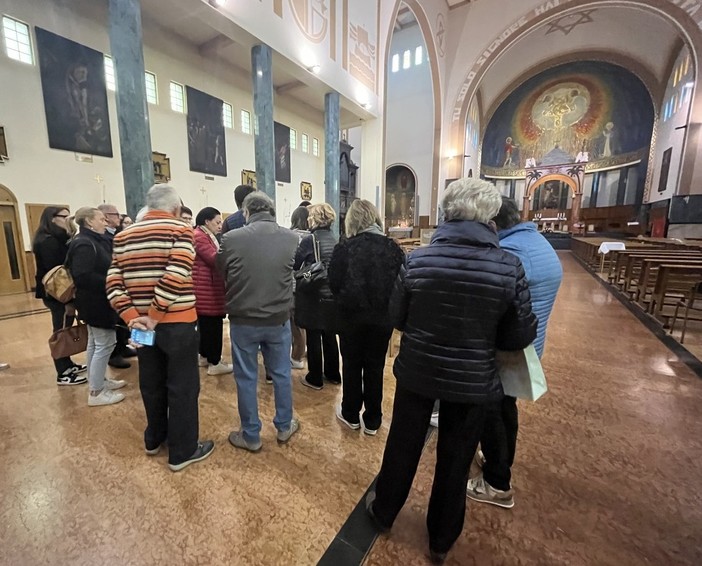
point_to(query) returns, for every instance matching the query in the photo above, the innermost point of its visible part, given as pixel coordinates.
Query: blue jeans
(274, 342)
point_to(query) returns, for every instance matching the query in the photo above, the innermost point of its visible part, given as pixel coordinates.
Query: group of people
(287, 291)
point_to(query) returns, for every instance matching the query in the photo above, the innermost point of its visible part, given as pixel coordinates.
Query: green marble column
(331, 153)
(262, 74)
(132, 107)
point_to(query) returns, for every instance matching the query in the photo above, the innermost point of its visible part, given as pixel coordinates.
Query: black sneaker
(335, 380)
(70, 377)
(119, 362)
(204, 449)
(79, 368)
(269, 379)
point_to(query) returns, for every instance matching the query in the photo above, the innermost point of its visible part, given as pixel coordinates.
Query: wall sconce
(314, 69)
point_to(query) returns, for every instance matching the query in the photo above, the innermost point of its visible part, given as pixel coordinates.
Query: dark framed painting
(206, 144)
(248, 177)
(306, 190)
(75, 97)
(281, 135)
(3, 144)
(162, 167)
(665, 170)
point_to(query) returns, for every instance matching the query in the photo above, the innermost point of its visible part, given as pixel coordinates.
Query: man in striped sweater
(150, 285)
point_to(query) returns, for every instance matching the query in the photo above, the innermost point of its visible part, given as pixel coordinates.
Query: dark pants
(122, 337)
(319, 341)
(169, 381)
(210, 328)
(499, 442)
(363, 350)
(58, 311)
(460, 426)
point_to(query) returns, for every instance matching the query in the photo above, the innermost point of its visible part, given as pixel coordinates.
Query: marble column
(331, 154)
(264, 143)
(132, 107)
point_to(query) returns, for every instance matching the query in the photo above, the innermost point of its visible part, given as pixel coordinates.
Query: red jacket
(209, 283)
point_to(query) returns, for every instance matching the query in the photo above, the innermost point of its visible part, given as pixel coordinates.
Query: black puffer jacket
(316, 310)
(362, 272)
(89, 258)
(459, 300)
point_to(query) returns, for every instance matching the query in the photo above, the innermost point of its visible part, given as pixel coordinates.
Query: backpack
(58, 283)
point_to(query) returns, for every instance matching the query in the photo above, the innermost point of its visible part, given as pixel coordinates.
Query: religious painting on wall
(75, 97)
(248, 177)
(305, 190)
(3, 145)
(551, 195)
(400, 187)
(281, 136)
(586, 111)
(162, 167)
(665, 170)
(206, 144)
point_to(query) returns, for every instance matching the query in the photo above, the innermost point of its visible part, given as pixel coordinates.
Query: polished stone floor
(608, 471)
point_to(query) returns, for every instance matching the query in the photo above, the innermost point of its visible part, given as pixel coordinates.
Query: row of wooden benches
(662, 280)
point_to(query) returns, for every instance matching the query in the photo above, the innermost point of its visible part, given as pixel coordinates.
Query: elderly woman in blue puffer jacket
(544, 274)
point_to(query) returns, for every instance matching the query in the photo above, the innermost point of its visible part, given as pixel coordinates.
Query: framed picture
(665, 170)
(281, 135)
(206, 144)
(248, 177)
(162, 167)
(75, 96)
(305, 190)
(3, 145)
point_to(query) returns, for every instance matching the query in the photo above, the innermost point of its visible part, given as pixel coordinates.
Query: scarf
(211, 235)
(373, 229)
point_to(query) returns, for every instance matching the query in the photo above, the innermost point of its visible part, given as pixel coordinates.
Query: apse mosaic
(577, 112)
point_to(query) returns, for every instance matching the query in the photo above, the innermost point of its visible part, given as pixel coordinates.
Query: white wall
(668, 136)
(39, 174)
(409, 115)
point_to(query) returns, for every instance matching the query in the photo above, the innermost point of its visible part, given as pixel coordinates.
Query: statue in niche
(399, 197)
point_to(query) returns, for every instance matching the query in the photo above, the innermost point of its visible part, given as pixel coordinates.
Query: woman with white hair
(458, 301)
(362, 271)
(315, 310)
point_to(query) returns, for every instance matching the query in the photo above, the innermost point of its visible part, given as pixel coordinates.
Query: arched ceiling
(641, 41)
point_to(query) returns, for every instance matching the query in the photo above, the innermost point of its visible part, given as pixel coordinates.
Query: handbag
(69, 340)
(314, 275)
(521, 373)
(58, 283)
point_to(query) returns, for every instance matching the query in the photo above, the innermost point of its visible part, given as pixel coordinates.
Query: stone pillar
(331, 154)
(132, 107)
(575, 210)
(264, 143)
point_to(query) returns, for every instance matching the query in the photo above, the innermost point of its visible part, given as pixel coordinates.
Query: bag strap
(315, 244)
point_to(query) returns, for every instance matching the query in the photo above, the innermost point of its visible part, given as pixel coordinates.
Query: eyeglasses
(61, 215)
(111, 213)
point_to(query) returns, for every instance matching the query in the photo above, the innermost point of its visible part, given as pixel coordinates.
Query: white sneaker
(220, 369)
(434, 419)
(297, 364)
(113, 384)
(202, 362)
(105, 397)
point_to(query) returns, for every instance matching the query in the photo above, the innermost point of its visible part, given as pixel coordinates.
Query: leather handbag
(70, 340)
(58, 283)
(521, 374)
(314, 275)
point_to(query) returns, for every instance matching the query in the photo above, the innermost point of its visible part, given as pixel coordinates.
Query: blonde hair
(321, 216)
(471, 199)
(362, 214)
(84, 214)
(71, 226)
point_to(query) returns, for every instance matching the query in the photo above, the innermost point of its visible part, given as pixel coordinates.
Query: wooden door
(11, 272)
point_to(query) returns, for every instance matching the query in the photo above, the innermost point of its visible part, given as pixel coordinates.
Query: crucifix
(98, 180)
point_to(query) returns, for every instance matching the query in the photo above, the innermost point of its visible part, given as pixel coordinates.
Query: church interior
(585, 112)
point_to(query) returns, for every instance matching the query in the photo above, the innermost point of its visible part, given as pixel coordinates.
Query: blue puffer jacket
(543, 271)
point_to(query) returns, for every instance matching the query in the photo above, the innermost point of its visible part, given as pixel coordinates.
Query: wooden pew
(646, 279)
(672, 282)
(634, 262)
(618, 263)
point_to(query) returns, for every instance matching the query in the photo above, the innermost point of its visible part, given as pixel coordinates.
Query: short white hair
(163, 197)
(471, 199)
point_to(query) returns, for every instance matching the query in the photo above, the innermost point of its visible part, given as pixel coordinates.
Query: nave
(608, 467)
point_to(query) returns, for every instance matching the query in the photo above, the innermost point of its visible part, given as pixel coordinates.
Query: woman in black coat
(362, 273)
(89, 258)
(315, 310)
(458, 301)
(50, 245)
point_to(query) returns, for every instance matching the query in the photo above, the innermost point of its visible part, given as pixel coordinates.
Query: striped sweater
(151, 271)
